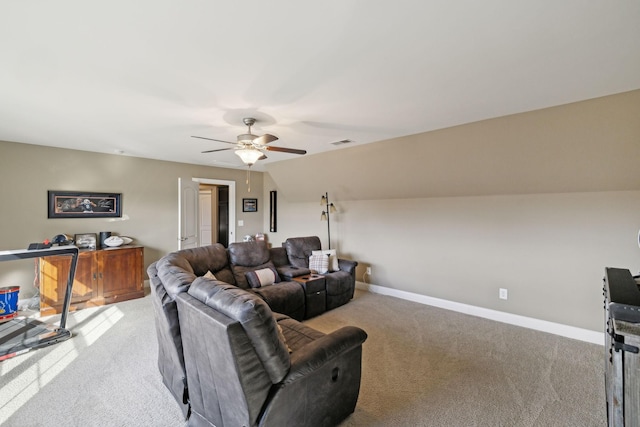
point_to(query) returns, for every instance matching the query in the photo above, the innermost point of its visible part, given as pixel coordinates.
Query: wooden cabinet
(102, 277)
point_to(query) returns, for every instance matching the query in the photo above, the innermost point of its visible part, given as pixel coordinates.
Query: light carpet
(422, 366)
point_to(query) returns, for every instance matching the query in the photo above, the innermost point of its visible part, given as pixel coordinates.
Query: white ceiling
(140, 77)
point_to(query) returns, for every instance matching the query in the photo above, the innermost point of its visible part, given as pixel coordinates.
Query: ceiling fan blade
(219, 149)
(285, 150)
(265, 139)
(211, 139)
(263, 157)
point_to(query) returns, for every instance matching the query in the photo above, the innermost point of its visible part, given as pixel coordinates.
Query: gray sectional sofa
(202, 287)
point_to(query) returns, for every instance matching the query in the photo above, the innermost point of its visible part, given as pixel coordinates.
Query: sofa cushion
(284, 297)
(256, 319)
(296, 334)
(338, 282)
(279, 257)
(262, 277)
(249, 254)
(178, 270)
(299, 249)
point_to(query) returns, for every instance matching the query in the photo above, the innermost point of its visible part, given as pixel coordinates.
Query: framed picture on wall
(273, 213)
(249, 205)
(83, 204)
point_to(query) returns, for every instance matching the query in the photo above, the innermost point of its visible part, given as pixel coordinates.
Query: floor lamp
(329, 208)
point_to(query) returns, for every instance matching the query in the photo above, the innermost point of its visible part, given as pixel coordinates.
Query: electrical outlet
(369, 270)
(504, 294)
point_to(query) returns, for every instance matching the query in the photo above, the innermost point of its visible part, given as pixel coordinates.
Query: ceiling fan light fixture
(249, 146)
(246, 138)
(249, 155)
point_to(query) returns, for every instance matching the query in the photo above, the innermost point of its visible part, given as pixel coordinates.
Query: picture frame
(249, 205)
(85, 240)
(83, 204)
(273, 211)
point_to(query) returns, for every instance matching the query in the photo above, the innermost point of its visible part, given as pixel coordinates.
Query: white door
(188, 194)
(206, 227)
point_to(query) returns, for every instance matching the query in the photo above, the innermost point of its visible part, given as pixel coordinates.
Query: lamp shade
(249, 155)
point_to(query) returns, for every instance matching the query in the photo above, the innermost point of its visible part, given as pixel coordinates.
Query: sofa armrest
(323, 381)
(347, 265)
(315, 354)
(288, 272)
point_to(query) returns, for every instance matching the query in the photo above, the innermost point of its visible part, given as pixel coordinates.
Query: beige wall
(543, 202)
(548, 250)
(149, 198)
(538, 203)
(586, 146)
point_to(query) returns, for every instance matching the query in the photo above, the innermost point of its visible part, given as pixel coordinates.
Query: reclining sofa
(248, 366)
(298, 295)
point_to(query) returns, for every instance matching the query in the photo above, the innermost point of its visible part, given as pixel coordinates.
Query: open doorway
(190, 233)
(214, 214)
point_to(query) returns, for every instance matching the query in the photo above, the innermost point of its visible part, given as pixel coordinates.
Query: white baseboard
(499, 316)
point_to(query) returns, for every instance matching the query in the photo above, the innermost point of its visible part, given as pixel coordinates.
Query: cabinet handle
(100, 274)
(94, 276)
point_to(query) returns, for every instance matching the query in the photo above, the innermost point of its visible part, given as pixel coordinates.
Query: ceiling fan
(250, 147)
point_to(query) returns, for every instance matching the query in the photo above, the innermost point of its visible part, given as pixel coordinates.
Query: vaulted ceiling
(141, 77)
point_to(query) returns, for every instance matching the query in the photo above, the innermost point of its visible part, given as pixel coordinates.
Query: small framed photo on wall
(249, 205)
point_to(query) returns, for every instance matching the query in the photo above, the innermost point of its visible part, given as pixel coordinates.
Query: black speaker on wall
(273, 211)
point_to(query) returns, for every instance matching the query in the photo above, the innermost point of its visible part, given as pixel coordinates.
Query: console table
(103, 276)
(314, 293)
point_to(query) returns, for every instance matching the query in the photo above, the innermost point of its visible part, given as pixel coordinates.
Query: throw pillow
(210, 275)
(262, 277)
(333, 258)
(319, 263)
